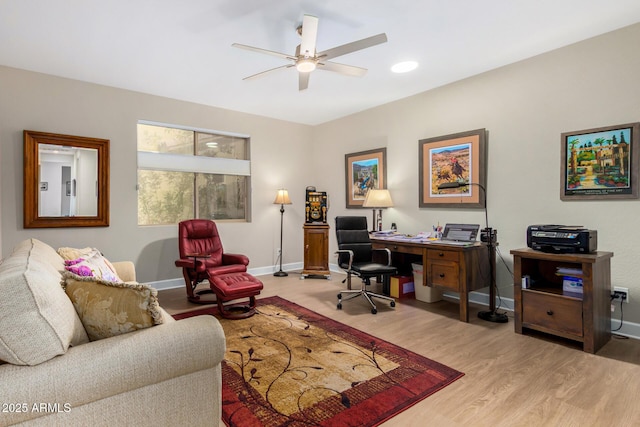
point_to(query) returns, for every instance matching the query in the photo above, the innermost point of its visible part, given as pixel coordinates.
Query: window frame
(153, 161)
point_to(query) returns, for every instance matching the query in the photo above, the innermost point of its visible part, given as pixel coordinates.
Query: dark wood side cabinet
(545, 307)
(316, 250)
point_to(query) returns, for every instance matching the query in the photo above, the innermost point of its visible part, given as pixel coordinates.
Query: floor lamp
(282, 198)
(490, 236)
(377, 199)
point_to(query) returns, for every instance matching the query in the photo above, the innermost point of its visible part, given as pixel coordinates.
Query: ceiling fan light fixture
(305, 65)
(404, 67)
(306, 58)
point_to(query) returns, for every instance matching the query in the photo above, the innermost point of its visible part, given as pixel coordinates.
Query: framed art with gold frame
(364, 170)
(456, 158)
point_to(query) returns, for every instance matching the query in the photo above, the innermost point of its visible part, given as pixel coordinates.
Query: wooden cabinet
(316, 250)
(545, 307)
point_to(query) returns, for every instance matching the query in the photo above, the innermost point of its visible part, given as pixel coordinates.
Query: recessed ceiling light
(404, 67)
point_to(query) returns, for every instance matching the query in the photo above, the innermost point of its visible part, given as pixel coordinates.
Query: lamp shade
(282, 198)
(378, 198)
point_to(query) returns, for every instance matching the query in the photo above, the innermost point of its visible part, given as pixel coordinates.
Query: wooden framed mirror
(66, 181)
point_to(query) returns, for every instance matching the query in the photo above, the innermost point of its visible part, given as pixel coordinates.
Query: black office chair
(356, 257)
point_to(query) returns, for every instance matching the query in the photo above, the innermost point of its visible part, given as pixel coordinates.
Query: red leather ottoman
(232, 286)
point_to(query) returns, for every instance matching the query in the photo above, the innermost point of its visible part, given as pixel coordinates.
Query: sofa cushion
(37, 320)
(108, 308)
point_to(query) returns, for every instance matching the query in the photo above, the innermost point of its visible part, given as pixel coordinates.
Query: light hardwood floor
(510, 379)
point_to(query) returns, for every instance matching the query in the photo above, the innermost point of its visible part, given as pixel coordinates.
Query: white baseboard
(628, 329)
(162, 285)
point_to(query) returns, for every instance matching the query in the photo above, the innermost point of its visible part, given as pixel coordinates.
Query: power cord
(497, 248)
(621, 314)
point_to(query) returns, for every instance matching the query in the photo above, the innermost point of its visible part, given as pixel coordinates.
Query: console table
(459, 269)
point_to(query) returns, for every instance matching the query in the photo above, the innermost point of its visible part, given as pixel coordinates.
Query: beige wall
(50, 104)
(525, 107)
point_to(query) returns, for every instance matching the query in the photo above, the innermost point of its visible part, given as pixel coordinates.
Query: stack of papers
(566, 271)
(384, 233)
(423, 236)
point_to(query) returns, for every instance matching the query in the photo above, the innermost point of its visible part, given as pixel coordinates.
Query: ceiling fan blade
(303, 80)
(265, 51)
(262, 73)
(309, 35)
(348, 70)
(353, 46)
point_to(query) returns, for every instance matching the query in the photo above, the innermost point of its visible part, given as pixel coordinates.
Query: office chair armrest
(347, 251)
(388, 253)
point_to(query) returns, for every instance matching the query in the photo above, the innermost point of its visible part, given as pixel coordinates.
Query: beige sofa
(51, 375)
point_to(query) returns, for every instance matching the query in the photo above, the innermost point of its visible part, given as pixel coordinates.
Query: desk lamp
(282, 198)
(490, 236)
(377, 199)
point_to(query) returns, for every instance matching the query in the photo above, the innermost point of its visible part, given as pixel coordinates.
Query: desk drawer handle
(441, 275)
(441, 254)
(550, 312)
(395, 248)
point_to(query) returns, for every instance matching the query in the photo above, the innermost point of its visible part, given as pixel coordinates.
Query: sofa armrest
(116, 365)
(126, 270)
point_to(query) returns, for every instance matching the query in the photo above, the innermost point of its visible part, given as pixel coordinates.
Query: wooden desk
(459, 269)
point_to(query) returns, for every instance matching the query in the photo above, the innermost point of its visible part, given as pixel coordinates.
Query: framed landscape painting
(600, 163)
(455, 160)
(364, 170)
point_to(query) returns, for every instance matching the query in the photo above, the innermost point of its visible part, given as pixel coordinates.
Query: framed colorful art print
(364, 170)
(600, 163)
(458, 162)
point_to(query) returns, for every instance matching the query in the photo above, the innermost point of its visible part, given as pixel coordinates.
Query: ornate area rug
(289, 366)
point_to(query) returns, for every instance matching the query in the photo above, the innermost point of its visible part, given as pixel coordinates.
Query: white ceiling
(182, 48)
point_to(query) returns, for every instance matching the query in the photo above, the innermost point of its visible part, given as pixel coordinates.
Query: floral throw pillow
(93, 265)
(108, 309)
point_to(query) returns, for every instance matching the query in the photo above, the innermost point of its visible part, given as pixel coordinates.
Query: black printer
(562, 238)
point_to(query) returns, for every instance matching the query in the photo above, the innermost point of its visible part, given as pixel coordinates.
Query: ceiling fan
(306, 59)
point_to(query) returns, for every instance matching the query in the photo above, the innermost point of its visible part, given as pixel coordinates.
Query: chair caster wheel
(339, 306)
(392, 304)
(339, 296)
(374, 311)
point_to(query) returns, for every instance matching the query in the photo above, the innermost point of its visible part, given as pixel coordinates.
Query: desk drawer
(552, 312)
(443, 255)
(444, 274)
(399, 247)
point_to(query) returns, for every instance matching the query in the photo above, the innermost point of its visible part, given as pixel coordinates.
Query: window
(191, 173)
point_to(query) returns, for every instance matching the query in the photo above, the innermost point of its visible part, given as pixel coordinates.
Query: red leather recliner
(202, 255)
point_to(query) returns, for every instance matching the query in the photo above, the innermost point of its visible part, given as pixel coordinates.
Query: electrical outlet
(621, 293)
